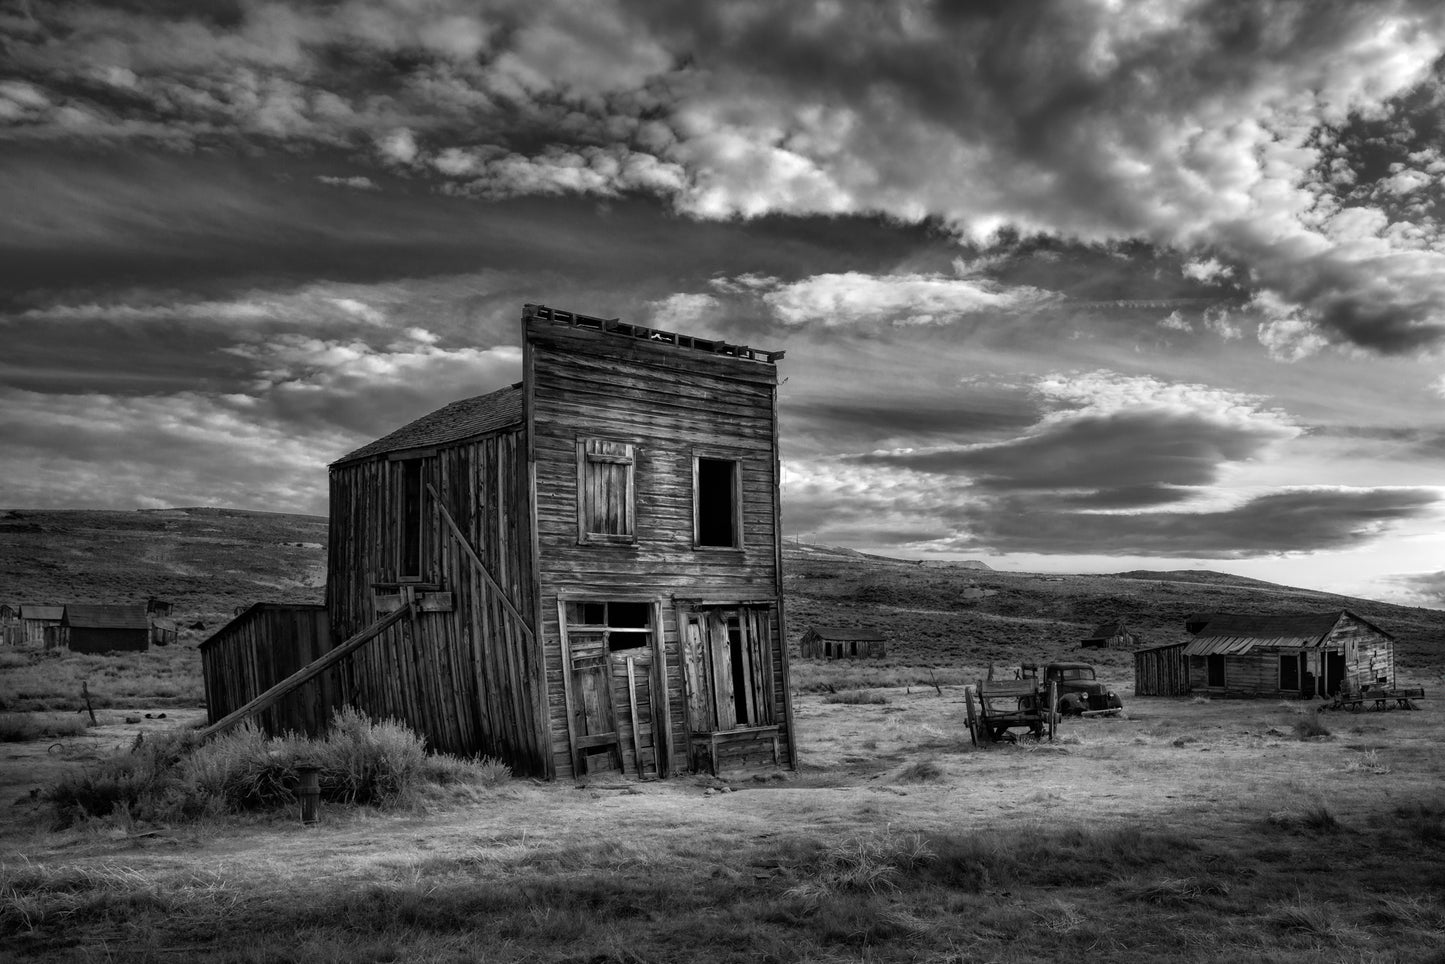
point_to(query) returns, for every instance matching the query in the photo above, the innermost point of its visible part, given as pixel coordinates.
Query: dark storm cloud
(850, 424)
(1125, 453)
(1291, 521)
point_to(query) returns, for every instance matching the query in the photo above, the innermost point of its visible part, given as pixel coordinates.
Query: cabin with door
(832, 642)
(1111, 635)
(41, 624)
(1290, 656)
(579, 574)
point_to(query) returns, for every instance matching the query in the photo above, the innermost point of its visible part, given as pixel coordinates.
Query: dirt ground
(1206, 768)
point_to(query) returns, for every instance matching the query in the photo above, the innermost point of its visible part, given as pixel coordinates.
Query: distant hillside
(209, 561)
(934, 615)
(204, 561)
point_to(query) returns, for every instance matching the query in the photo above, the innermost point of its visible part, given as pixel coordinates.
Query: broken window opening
(409, 520)
(718, 521)
(611, 626)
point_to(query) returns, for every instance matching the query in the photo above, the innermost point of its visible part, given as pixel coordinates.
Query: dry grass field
(1191, 831)
(1185, 830)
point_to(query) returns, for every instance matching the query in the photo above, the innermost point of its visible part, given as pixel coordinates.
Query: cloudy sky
(1079, 286)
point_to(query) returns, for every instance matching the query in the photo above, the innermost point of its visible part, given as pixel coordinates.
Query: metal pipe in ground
(308, 789)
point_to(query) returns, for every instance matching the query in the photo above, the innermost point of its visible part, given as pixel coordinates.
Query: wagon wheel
(971, 713)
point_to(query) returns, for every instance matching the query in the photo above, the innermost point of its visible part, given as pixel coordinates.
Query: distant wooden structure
(164, 632)
(1303, 655)
(41, 624)
(830, 642)
(104, 629)
(1110, 635)
(588, 565)
(11, 632)
(1161, 671)
(157, 607)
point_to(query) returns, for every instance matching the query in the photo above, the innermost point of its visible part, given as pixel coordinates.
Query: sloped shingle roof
(462, 419)
(1106, 630)
(81, 616)
(41, 612)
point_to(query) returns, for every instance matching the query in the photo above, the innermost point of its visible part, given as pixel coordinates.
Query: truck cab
(1079, 689)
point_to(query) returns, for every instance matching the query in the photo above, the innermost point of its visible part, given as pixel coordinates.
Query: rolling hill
(209, 561)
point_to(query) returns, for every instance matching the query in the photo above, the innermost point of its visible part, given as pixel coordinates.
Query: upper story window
(717, 503)
(409, 520)
(606, 491)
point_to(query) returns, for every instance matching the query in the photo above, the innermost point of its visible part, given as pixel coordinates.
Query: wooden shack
(1161, 671)
(1304, 655)
(41, 624)
(11, 632)
(588, 563)
(262, 646)
(1111, 635)
(831, 642)
(104, 629)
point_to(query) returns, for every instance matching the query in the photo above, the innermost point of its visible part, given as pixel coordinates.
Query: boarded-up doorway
(610, 650)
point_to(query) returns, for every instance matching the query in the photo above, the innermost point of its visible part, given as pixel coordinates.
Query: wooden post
(85, 692)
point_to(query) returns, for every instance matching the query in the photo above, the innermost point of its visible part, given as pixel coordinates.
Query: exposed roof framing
(622, 329)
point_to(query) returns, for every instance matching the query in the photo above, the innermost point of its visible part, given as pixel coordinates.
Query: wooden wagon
(994, 707)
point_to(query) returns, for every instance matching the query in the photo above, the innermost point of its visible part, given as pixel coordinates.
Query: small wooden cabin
(104, 629)
(41, 624)
(1161, 671)
(1302, 656)
(588, 562)
(11, 632)
(828, 642)
(164, 631)
(1112, 635)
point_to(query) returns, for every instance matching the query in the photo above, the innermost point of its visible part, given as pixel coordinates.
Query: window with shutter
(606, 491)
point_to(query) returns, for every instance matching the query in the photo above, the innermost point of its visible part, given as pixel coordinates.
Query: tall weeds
(178, 778)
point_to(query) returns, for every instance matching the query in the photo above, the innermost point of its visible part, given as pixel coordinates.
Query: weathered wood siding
(1369, 654)
(1161, 671)
(90, 639)
(669, 404)
(260, 648)
(465, 675)
(1361, 650)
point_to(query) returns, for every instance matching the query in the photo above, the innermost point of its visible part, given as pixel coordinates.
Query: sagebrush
(179, 777)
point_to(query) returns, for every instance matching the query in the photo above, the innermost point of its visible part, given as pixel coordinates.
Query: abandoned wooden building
(1111, 635)
(103, 629)
(578, 573)
(1161, 670)
(830, 642)
(1303, 655)
(41, 624)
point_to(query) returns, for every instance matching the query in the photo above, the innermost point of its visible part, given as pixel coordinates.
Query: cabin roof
(462, 419)
(41, 612)
(831, 632)
(1229, 634)
(82, 616)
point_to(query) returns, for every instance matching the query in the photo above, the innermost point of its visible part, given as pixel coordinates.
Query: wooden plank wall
(669, 403)
(1369, 654)
(1161, 672)
(466, 679)
(259, 649)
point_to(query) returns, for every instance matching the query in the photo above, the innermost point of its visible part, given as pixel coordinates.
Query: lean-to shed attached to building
(829, 642)
(104, 629)
(583, 569)
(1303, 655)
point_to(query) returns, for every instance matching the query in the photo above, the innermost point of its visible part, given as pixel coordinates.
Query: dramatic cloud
(1428, 587)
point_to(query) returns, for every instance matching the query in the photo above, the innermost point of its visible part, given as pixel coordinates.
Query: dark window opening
(613, 625)
(1216, 670)
(717, 503)
(410, 520)
(1289, 672)
(606, 491)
